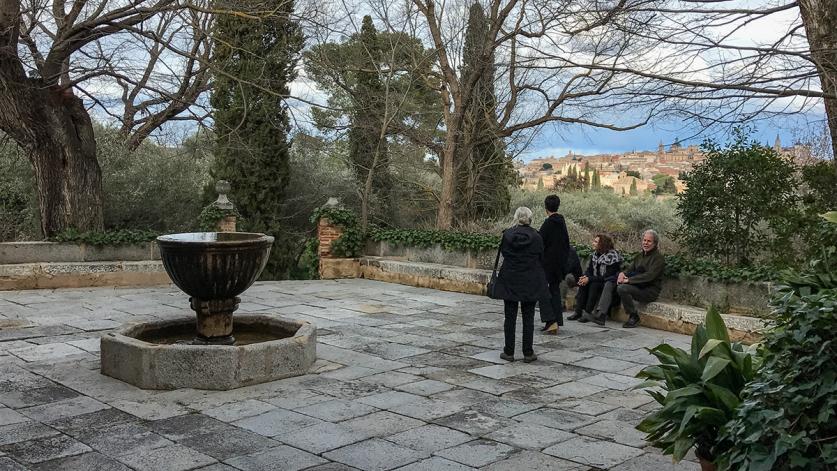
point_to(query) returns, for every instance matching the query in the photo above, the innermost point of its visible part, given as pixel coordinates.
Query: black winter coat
(556, 244)
(574, 264)
(521, 277)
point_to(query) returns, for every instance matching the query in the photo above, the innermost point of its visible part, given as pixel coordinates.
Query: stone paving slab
(477, 453)
(406, 378)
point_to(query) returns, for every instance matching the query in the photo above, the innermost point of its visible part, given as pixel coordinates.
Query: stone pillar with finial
(228, 222)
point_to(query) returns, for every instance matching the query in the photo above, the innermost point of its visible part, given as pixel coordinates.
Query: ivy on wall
(350, 243)
(676, 265)
(449, 240)
(212, 214)
(106, 238)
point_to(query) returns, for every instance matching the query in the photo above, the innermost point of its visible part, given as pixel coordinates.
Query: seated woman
(521, 281)
(597, 285)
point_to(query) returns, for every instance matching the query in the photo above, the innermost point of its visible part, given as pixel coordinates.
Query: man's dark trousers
(631, 294)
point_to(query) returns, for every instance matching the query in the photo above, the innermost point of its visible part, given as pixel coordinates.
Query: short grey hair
(523, 216)
(654, 235)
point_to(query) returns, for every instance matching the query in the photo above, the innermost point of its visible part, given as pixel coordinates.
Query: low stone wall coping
(82, 274)
(750, 298)
(57, 252)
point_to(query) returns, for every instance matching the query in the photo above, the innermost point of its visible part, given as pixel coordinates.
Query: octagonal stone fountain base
(149, 356)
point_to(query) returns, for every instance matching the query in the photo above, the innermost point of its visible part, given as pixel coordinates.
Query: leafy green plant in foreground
(700, 389)
(788, 420)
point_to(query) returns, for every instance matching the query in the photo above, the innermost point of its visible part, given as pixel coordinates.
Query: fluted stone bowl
(214, 265)
(213, 268)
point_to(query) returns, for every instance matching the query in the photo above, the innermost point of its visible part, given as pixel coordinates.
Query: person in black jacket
(521, 280)
(597, 285)
(556, 245)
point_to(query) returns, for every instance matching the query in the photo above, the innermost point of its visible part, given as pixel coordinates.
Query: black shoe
(600, 319)
(574, 317)
(530, 358)
(506, 356)
(632, 322)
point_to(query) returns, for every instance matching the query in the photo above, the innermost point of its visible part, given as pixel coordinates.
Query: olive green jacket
(646, 270)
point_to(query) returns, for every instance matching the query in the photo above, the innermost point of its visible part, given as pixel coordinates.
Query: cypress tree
(597, 182)
(540, 183)
(251, 124)
(367, 148)
(633, 190)
(586, 174)
(485, 170)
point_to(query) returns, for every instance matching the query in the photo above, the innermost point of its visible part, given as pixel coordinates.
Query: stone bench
(664, 314)
(50, 275)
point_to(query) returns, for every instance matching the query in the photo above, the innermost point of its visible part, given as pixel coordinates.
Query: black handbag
(491, 287)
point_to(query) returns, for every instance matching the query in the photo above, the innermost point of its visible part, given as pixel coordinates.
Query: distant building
(612, 168)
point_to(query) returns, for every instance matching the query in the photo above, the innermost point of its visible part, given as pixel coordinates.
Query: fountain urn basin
(213, 268)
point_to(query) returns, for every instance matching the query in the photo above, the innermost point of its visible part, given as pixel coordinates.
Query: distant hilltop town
(628, 173)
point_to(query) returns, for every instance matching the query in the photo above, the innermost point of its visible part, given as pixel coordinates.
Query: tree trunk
(820, 20)
(56, 132)
(444, 218)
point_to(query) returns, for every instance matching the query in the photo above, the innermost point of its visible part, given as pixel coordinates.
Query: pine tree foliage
(256, 60)
(375, 80)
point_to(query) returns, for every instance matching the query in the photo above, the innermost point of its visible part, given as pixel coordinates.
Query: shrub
(19, 217)
(588, 213)
(788, 420)
(154, 187)
(738, 202)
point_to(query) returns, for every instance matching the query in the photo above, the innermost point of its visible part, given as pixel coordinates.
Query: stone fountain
(215, 350)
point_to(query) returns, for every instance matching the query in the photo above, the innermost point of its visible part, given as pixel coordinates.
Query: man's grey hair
(654, 235)
(523, 216)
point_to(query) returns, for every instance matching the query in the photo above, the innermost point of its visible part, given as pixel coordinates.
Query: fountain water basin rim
(149, 365)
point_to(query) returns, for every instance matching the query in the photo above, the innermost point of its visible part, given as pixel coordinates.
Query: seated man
(642, 279)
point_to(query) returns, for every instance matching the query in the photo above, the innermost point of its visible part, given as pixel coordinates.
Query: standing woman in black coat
(521, 280)
(556, 242)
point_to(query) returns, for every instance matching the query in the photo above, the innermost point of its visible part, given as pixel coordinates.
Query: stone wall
(749, 298)
(58, 252)
(21, 276)
(434, 254)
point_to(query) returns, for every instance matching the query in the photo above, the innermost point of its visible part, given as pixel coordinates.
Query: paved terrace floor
(407, 378)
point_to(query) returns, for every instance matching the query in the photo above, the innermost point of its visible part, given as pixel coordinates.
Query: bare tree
(535, 43)
(718, 62)
(60, 59)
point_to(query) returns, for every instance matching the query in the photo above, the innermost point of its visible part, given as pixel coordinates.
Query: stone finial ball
(222, 187)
